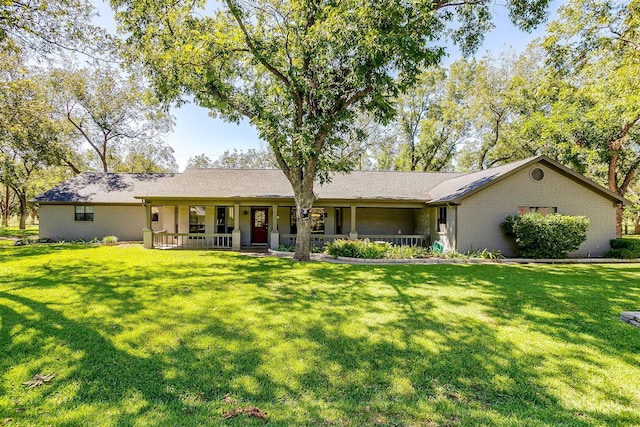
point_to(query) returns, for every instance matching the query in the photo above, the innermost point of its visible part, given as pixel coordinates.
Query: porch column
(147, 231)
(353, 233)
(275, 234)
(236, 242)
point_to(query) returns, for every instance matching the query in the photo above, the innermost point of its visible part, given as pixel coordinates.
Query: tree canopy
(44, 27)
(301, 70)
(112, 114)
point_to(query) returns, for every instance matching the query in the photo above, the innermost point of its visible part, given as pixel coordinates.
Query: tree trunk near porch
(304, 203)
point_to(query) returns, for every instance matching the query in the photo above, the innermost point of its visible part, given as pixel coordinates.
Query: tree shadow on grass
(12, 252)
(318, 344)
(493, 358)
(169, 388)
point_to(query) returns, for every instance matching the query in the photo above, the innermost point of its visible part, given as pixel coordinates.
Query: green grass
(16, 232)
(147, 337)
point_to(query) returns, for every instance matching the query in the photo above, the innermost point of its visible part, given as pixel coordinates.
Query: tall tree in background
(301, 70)
(141, 157)
(594, 49)
(431, 121)
(251, 159)
(44, 27)
(113, 115)
(491, 93)
(30, 137)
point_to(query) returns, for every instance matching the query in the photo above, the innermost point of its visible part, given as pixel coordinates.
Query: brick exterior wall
(480, 215)
(57, 222)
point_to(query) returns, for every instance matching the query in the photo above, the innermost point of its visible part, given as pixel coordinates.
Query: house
(224, 208)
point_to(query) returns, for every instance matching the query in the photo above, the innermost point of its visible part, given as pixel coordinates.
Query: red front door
(259, 225)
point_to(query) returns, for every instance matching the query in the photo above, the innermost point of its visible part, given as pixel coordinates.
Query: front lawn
(150, 337)
(17, 233)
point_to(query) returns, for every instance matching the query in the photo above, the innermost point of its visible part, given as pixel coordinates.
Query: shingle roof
(432, 188)
(457, 188)
(90, 187)
(357, 185)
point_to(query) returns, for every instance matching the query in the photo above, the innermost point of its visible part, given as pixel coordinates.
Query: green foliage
(16, 232)
(113, 114)
(286, 248)
(46, 27)
(546, 236)
(109, 240)
(357, 248)
(484, 254)
(624, 248)
(301, 71)
(179, 338)
(407, 252)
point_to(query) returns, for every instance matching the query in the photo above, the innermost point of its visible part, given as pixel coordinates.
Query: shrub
(485, 254)
(357, 248)
(109, 240)
(621, 254)
(407, 252)
(624, 249)
(550, 236)
(285, 248)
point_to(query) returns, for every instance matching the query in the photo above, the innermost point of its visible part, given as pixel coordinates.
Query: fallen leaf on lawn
(38, 380)
(6, 421)
(249, 411)
(227, 398)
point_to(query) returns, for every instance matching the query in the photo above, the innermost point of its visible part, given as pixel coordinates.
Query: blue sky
(197, 133)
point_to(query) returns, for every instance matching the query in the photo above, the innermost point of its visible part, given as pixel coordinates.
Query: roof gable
(459, 188)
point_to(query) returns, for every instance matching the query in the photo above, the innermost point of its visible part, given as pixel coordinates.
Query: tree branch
(234, 9)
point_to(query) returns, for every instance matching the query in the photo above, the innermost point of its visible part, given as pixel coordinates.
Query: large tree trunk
(22, 198)
(619, 211)
(7, 205)
(304, 202)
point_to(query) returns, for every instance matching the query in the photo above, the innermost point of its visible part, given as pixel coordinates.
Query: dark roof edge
(550, 162)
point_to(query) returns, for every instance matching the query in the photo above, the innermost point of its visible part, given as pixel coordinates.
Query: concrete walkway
(460, 260)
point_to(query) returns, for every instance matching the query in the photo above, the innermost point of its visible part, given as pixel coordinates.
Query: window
(317, 215)
(155, 213)
(84, 213)
(537, 174)
(293, 222)
(544, 210)
(196, 219)
(442, 218)
(221, 219)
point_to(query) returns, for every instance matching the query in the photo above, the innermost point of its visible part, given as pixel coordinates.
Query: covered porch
(229, 225)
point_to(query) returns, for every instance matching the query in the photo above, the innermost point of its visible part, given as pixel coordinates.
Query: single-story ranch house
(225, 208)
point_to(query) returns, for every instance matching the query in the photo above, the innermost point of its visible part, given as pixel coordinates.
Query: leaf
(38, 380)
(249, 411)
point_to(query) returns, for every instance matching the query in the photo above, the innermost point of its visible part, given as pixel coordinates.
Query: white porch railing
(316, 239)
(162, 239)
(397, 239)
